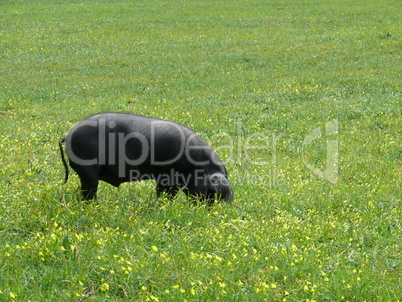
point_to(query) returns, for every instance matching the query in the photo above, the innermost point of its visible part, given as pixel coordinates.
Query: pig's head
(217, 186)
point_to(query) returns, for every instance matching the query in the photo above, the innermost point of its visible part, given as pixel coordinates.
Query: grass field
(301, 99)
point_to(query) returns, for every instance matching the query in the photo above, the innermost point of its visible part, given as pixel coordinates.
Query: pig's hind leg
(89, 176)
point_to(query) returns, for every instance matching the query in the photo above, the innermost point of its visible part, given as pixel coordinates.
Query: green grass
(241, 73)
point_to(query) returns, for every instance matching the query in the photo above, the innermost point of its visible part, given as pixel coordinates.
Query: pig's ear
(217, 180)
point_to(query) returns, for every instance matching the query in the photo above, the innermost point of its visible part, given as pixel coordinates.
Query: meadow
(300, 99)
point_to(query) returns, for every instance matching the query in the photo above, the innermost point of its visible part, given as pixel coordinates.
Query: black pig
(117, 148)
